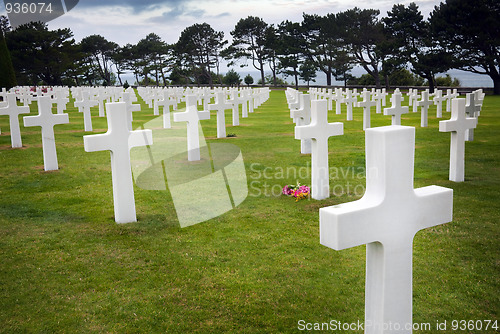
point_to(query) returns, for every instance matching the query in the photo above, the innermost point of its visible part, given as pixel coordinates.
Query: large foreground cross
(386, 219)
(119, 140)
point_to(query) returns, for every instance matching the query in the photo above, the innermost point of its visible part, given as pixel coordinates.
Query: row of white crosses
(316, 131)
(387, 217)
(45, 119)
(120, 138)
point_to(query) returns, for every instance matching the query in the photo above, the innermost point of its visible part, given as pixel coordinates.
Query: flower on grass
(298, 191)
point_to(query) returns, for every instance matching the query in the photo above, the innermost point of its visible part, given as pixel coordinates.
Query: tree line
(458, 34)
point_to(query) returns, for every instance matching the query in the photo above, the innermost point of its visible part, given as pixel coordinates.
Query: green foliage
(40, 55)
(364, 36)
(325, 44)
(412, 41)
(398, 78)
(248, 79)
(307, 71)
(126, 85)
(99, 52)
(231, 78)
(447, 81)
(269, 80)
(249, 42)
(199, 47)
(469, 33)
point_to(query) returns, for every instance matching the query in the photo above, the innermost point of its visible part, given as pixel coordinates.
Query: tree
(231, 78)
(8, 76)
(249, 42)
(469, 32)
(40, 55)
(364, 36)
(324, 43)
(150, 55)
(100, 53)
(199, 49)
(412, 42)
(307, 72)
(290, 48)
(248, 79)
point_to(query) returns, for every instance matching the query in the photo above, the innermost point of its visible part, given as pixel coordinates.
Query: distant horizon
(467, 79)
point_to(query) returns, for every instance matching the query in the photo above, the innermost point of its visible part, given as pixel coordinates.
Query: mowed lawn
(66, 266)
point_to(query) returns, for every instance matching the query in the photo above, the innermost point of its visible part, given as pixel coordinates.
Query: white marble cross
(424, 108)
(319, 131)
(338, 97)
(449, 97)
(366, 104)
(438, 101)
(60, 100)
(46, 119)
(127, 97)
(472, 109)
(221, 105)
(349, 100)
(86, 103)
(396, 110)
(377, 98)
(119, 140)
(102, 95)
(303, 117)
(386, 219)
(457, 125)
(13, 111)
(192, 116)
(384, 94)
(236, 107)
(166, 102)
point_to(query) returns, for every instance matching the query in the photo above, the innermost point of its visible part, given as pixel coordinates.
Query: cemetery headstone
(366, 104)
(424, 108)
(221, 106)
(192, 116)
(319, 130)
(438, 101)
(47, 120)
(303, 117)
(457, 125)
(396, 110)
(386, 219)
(86, 103)
(13, 111)
(119, 140)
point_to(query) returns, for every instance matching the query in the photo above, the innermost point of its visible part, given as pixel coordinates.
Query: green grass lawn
(67, 267)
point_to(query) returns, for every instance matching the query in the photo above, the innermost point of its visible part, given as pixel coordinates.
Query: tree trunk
(328, 78)
(496, 83)
(430, 80)
(262, 76)
(387, 85)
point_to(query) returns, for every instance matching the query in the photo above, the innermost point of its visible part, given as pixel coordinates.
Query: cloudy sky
(127, 21)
